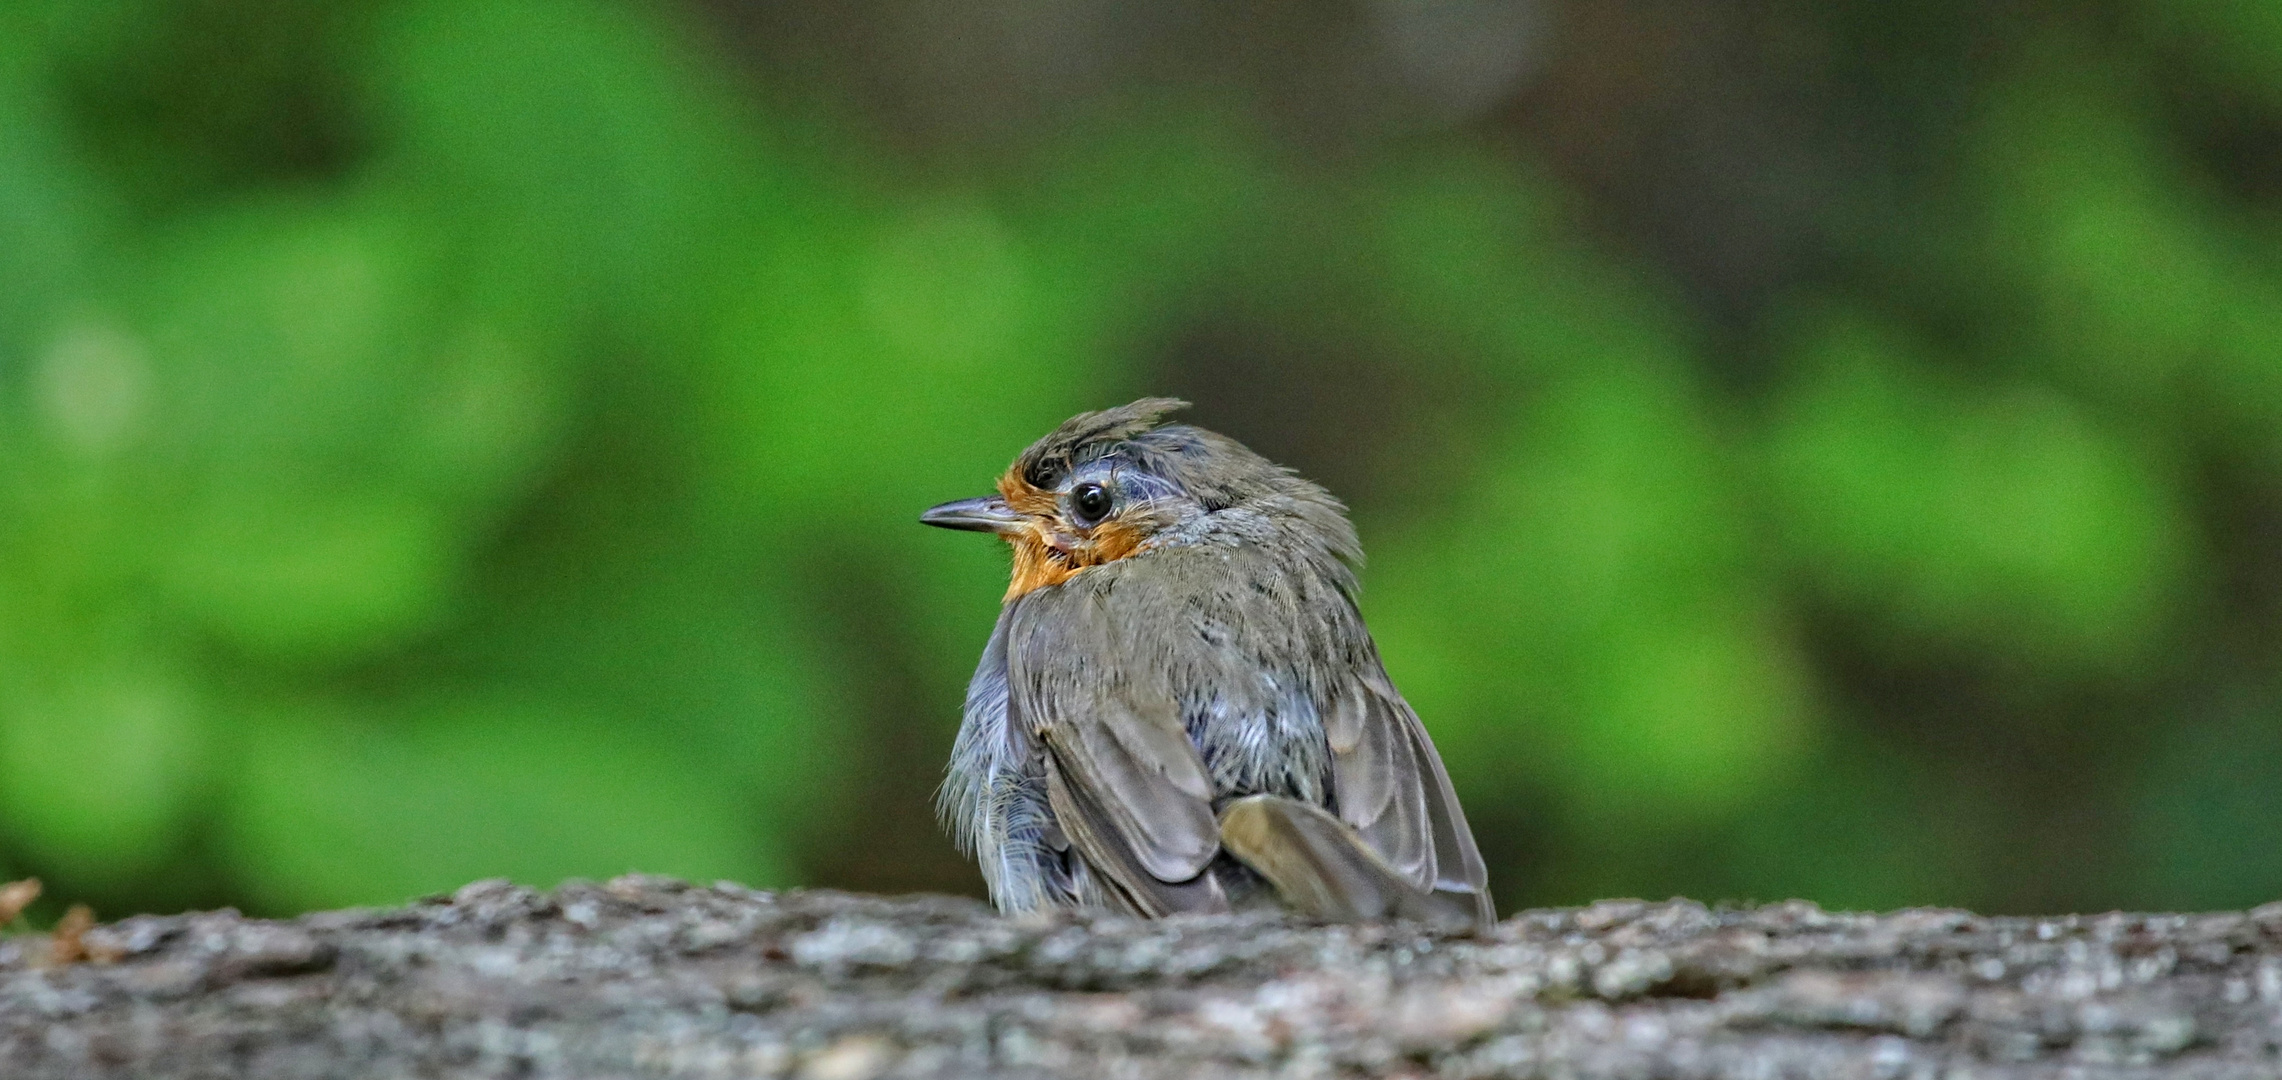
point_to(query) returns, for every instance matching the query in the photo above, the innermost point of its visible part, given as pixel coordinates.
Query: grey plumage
(1194, 645)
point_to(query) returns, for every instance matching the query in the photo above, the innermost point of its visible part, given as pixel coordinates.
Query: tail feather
(1322, 867)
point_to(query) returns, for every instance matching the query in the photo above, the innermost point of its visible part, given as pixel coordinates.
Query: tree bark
(650, 977)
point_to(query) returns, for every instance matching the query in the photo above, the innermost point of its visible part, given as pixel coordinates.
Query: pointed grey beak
(986, 514)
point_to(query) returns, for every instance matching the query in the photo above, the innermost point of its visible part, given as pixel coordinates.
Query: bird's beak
(986, 514)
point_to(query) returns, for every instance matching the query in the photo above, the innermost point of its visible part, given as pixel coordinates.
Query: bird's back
(1254, 655)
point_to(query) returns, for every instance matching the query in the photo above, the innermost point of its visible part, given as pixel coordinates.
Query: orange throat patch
(1037, 564)
(1046, 552)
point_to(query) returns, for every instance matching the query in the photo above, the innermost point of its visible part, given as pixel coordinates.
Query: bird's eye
(1090, 502)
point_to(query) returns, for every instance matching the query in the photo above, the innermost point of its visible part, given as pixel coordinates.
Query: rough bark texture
(651, 977)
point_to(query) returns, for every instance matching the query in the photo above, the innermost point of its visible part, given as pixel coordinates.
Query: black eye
(1090, 502)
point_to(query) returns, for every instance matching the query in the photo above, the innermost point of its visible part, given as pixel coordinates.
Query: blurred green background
(1805, 449)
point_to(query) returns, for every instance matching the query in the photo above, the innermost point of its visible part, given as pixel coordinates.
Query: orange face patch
(1114, 540)
(1026, 498)
(1049, 550)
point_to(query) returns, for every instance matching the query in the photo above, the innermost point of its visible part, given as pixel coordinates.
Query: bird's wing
(1128, 788)
(1388, 784)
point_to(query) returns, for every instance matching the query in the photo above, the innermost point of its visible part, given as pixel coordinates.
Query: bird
(1180, 709)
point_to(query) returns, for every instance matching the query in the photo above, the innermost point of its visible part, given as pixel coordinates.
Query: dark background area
(1827, 450)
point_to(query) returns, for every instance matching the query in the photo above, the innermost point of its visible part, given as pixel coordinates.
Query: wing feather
(1129, 790)
(1135, 888)
(1390, 787)
(1152, 791)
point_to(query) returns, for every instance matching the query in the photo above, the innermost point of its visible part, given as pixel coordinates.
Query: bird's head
(1116, 483)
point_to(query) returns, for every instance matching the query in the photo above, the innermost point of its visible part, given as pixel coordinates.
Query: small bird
(1180, 709)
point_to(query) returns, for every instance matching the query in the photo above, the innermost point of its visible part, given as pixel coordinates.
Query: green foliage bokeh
(453, 438)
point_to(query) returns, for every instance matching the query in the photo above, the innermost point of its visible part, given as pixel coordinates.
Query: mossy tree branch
(651, 977)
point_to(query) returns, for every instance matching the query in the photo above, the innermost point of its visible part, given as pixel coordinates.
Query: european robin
(1180, 709)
